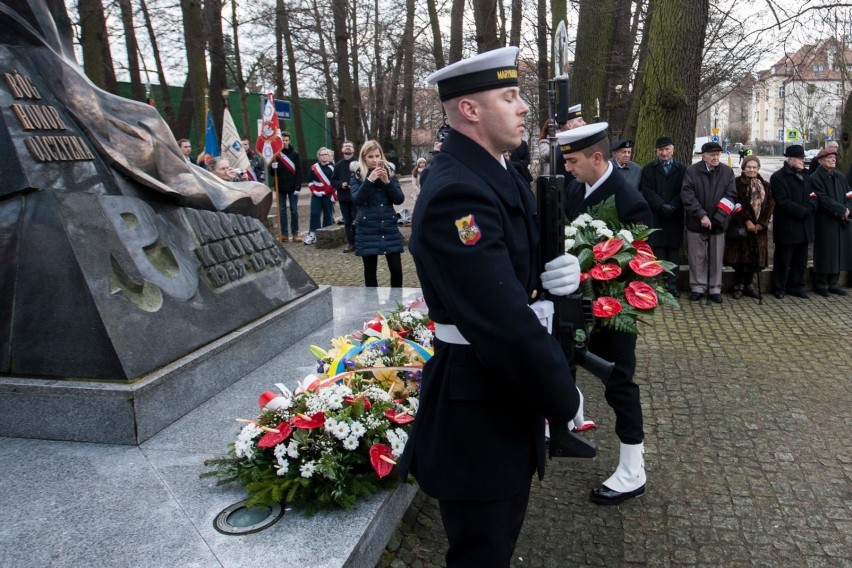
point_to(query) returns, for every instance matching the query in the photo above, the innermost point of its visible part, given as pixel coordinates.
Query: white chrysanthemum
(249, 431)
(293, 449)
(244, 449)
(397, 439)
(357, 429)
(280, 451)
(414, 403)
(597, 224)
(307, 469)
(423, 336)
(625, 235)
(335, 401)
(377, 394)
(569, 245)
(330, 423)
(283, 467)
(582, 220)
(350, 443)
(605, 233)
(340, 430)
(570, 230)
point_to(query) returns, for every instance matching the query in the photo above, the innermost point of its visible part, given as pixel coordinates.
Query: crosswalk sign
(792, 134)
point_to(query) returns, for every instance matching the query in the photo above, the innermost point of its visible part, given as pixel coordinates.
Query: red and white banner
(269, 142)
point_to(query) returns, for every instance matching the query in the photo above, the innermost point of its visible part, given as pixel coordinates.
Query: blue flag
(211, 142)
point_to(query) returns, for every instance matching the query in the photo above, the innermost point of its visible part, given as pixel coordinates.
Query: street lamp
(329, 117)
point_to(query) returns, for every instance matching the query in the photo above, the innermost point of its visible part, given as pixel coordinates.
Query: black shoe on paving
(780, 295)
(695, 296)
(837, 290)
(822, 292)
(674, 292)
(751, 292)
(716, 298)
(737, 293)
(603, 495)
(799, 294)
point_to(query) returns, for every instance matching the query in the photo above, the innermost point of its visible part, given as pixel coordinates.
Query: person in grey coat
(622, 152)
(833, 234)
(375, 190)
(708, 195)
(660, 185)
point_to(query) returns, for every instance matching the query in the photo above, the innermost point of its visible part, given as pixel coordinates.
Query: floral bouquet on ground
(620, 273)
(337, 436)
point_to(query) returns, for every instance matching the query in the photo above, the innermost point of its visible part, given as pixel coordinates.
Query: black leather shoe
(822, 292)
(695, 296)
(737, 293)
(837, 290)
(674, 292)
(779, 295)
(603, 495)
(799, 294)
(751, 292)
(716, 298)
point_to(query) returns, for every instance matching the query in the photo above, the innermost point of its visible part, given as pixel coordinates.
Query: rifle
(571, 313)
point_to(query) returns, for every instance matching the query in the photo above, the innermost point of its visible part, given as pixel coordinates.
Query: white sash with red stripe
(288, 163)
(322, 182)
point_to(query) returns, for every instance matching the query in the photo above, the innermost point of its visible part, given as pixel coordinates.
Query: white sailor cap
(575, 111)
(490, 70)
(581, 137)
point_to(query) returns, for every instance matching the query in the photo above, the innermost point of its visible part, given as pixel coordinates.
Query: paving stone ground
(748, 453)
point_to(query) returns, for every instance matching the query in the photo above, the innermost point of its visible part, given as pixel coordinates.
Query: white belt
(448, 333)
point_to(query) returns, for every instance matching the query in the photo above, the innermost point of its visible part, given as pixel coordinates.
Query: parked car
(810, 155)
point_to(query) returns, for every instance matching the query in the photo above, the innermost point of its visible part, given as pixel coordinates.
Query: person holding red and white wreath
(323, 195)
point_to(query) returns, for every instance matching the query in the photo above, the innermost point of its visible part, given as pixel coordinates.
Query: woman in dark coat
(749, 254)
(375, 190)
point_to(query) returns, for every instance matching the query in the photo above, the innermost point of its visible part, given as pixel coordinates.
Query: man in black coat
(496, 372)
(586, 151)
(288, 171)
(340, 181)
(793, 223)
(660, 186)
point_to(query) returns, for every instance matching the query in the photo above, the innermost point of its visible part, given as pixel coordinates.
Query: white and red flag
(269, 142)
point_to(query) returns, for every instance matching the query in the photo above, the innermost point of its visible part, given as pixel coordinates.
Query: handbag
(736, 231)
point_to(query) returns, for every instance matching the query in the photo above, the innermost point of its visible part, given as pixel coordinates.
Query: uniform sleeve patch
(468, 230)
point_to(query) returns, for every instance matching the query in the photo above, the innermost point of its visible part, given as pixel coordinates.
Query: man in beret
(622, 154)
(708, 195)
(793, 224)
(833, 233)
(479, 433)
(660, 185)
(586, 153)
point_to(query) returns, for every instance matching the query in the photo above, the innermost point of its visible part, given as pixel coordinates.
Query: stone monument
(117, 257)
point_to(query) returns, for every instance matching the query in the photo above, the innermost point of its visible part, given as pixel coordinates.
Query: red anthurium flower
(364, 399)
(606, 271)
(401, 418)
(431, 326)
(272, 439)
(645, 266)
(381, 458)
(308, 422)
(584, 276)
(643, 248)
(605, 307)
(640, 295)
(606, 249)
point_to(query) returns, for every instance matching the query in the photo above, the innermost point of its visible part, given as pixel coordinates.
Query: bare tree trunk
(137, 91)
(325, 59)
(437, 42)
(280, 16)
(408, 86)
(378, 97)
(456, 30)
(193, 30)
(635, 94)
(238, 72)
(168, 109)
(345, 99)
(594, 38)
(543, 43)
(485, 17)
(295, 104)
(615, 105)
(360, 115)
(502, 11)
(97, 60)
(671, 77)
(218, 65)
(558, 12)
(517, 22)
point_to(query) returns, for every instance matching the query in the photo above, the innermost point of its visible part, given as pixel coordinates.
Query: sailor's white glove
(561, 275)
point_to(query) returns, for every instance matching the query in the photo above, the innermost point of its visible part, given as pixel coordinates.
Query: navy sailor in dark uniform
(586, 151)
(496, 373)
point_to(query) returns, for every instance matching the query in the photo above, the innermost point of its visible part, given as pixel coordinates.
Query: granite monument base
(121, 413)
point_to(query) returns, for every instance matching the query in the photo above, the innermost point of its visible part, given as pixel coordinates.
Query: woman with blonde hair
(375, 190)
